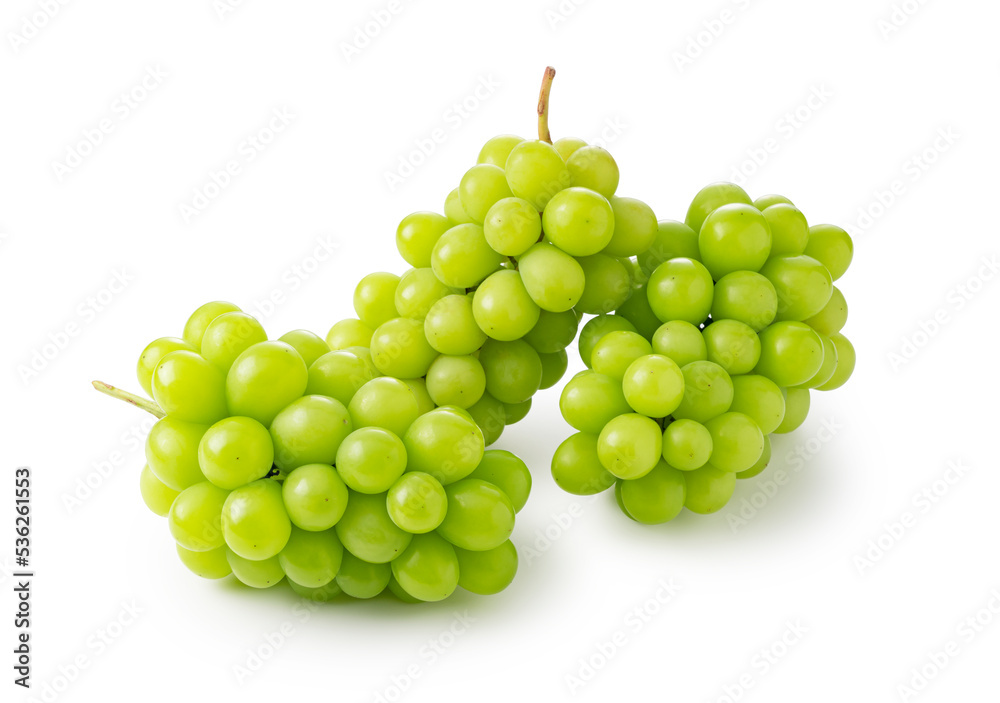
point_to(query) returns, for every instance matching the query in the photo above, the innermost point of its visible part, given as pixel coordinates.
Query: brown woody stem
(543, 105)
(130, 398)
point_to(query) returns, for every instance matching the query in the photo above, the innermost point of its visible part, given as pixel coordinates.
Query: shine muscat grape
(731, 320)
(358, 463)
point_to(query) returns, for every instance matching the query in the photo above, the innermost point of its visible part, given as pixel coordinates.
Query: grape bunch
(732, 319)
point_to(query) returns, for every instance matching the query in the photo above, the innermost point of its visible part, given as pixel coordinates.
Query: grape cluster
(732, 319)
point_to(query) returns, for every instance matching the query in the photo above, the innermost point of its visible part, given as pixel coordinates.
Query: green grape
(680, 341)
(428, 568)
(311, 559)
(508, 473)
(349, 333)
(831, 246)
(367, 531)
(829, 367)
(151, 355)
(616, 350)
(450, 326)
(708, 391)
(762, 462)
(655, 498)
(734, 238)
(796, 409)
(680, 289)
(630, 445)
(502, 307)
(310, 346)
(594, 331)
(536, 172)
(497, 149)
(456, 380)
(553, 278)
(832, 318)
(195, 517)
(513, 370)
(618, 499)
(553, 368)
(708, 489)
(254, 520)
(418, 291)
(732, 345)
(567, 146)
(264, 379)
(400, 349)
(462, 258)
(637, 276)
(209, 565)
(480, 516)
(490, 415)
(594, 168)
(444, 444)
(766, 201)
(157, 496)
(789, 229)
(653, 385)
(577, 468)
(453, 210)
(481, 187)
(365, 354)
(759, 398)
(687, 445)
(607, 284)
(803, 285)
(737, 442)
(362, 579)
(370, 460)
(401, 592)
(172, 452)
(790, 353)
(323, 594)
(374, 298)
(554, 331)
(635, 227)
(314, 496)
(710, 198)
(637, 311)
(189, 388)
(673, 240)
(512, 226)
(419, 387)
(416, 236)
(579, 221)
(235, 451)
(309, 431)
(489, 571)
(194, 328)
(263, 573)
(416, 502)
(590, 400)
(339, 375)
(515, 412)
(384, 402)
(846, 359)
(747, 297)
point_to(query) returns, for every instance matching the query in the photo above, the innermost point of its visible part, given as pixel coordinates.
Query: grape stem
(130, 398)
(543, 105)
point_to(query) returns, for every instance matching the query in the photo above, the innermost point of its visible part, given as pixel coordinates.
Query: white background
(889, 91)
